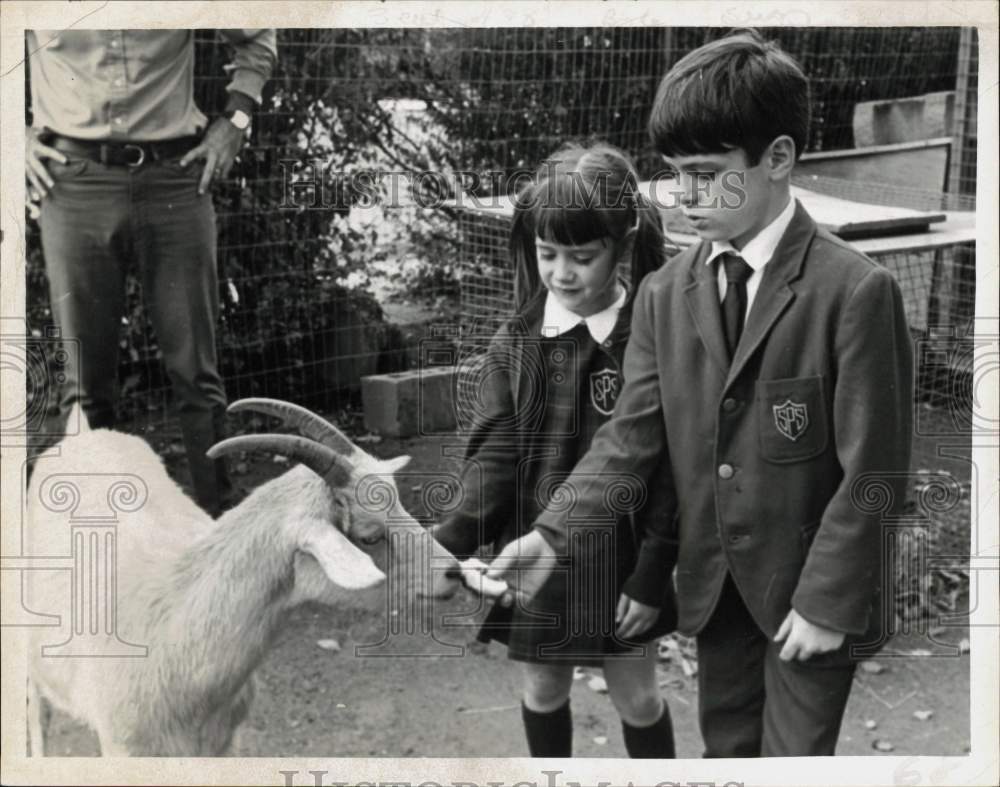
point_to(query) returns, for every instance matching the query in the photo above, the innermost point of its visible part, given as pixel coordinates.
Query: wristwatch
(239, 119)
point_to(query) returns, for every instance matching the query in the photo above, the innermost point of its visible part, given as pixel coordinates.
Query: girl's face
(581, 278)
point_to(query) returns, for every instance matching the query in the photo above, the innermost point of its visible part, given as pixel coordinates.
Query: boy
(769, 369)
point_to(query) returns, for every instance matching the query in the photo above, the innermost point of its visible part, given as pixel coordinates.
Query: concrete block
(889, 121)
(404, 404)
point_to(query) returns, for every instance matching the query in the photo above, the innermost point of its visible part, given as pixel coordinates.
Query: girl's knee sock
(655, 742)
(549, 734)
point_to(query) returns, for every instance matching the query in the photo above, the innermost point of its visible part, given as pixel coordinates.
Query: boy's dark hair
(579, 194)
(740, 91)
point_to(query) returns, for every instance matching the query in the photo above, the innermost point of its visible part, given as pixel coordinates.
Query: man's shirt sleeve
(255, 55)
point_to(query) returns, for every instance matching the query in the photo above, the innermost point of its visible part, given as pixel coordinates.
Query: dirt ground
(446, 696)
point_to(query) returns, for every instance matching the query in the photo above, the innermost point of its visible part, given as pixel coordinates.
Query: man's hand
(634, 617)
(524, 564)
(804, 639)
(218, 148)
(39, 179)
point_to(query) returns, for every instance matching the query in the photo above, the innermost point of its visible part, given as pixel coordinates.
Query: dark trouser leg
(805, 703)
(209, 479)
(84, 223)
(549, 734)
(752, 703)
(180, 286)
(731, 653)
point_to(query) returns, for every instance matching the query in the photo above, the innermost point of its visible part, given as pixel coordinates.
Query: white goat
(207, 597)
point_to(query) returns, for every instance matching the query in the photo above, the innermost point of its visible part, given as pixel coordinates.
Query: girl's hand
(525, 564)
(474, 578)
(634, 617)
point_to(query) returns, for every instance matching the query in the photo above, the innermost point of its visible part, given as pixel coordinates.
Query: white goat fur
(206, 597)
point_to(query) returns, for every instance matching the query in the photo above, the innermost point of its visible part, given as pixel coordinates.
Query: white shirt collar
(557, 319)
(760, 248)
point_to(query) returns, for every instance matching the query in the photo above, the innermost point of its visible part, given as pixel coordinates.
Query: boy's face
(723, 197)
(581, 278)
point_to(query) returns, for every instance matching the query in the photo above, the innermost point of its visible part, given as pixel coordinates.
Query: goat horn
(321, 459)
(305, 421)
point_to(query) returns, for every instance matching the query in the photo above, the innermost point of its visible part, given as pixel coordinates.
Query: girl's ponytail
(648, 252)
(522, 249)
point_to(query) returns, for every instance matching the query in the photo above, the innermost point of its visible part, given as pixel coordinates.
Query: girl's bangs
(561, 214)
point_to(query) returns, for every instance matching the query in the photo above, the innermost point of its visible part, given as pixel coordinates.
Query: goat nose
(454, 573)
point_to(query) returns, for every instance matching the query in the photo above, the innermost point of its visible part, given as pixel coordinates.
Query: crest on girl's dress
(791, 418)
(604, 390)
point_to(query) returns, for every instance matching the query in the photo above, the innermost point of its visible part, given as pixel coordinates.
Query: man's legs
(176, 237)
(84, 224)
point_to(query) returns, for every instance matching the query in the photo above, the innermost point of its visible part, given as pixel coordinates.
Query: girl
(549, 379)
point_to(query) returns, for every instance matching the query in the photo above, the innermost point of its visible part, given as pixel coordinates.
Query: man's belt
(129, 154)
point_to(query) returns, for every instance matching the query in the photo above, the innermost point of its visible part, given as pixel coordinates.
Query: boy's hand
(633, 617)
(524, 564)
(804, 639)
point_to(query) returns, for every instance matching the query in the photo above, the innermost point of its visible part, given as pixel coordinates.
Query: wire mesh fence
(962, 178)
(937, 283)
(321, 283)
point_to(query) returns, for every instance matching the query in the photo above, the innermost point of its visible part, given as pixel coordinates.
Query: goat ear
(395, 465)
(342, 562)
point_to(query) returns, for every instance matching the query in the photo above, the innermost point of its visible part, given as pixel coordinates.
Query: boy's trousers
(751, 703)
(96, 223)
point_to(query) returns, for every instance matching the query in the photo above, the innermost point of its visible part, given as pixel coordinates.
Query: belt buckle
(142, 155)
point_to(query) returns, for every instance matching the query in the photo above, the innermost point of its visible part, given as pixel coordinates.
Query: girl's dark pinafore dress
(546, 399)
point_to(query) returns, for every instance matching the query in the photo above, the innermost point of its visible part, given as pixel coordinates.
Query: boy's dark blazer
(775, 462)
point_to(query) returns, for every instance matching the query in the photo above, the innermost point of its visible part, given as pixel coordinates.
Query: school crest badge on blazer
(604, 390)
(791, 418)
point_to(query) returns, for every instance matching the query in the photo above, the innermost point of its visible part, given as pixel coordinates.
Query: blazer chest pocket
(791, 419)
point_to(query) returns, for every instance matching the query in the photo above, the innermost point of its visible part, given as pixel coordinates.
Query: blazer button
(726, 472)
(728, 405)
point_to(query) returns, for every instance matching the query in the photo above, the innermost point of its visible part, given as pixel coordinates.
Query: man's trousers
(98, 222)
